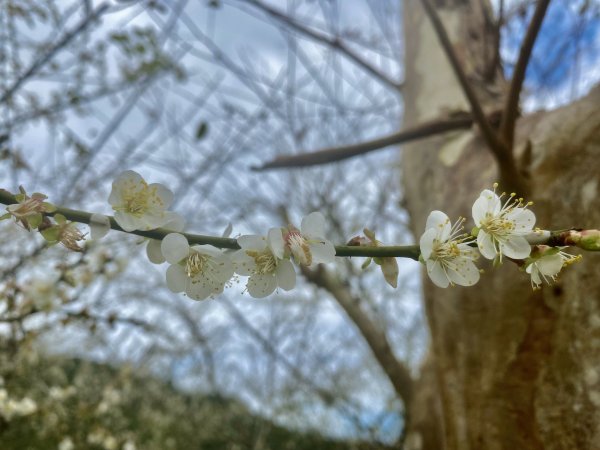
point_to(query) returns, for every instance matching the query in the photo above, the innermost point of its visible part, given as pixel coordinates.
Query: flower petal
(426, 242)
(275, 241)
(465, 273)
(128, 177)
(259, 286)
(127, 221)
(286, 275)
(175, 247)
(243, 264)
(535, 275)
(487, 202)
(550, 265)
(209, 250)
(127, 180)
(222, 271)
(202, 290)
(252, 242)
(176, 278)
(437, 274)
(161, 197)
(153, 219)
(175, 222)
(524, 219)
(99, 226)
(389, 267)
(322, 252)
(313, 225)
(516, 247)
(485, 244)
(441, 222)
(154, 252)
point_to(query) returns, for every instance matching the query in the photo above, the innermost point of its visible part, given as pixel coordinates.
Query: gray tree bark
(508, 367)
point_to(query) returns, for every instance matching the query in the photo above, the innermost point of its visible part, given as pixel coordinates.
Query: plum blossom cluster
(503, 228)
(203, 271)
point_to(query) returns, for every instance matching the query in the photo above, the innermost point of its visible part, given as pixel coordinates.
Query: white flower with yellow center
(502, 227)
(308, 245)
(139, 205)
(262, 259)
(546, 262)
(447, 255)
(200, 271)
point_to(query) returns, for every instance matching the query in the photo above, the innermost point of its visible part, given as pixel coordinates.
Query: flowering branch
(201, 269)
(573, 237)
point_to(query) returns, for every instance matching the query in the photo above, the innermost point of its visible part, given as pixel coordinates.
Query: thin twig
(333, 154)
(42, 61)
(397, 372)
(323, 38)
(511, 108)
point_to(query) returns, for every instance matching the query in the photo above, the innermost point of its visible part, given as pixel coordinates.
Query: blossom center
(136, 203)
(497, 226)
(196, 264)
(299, 247)
(445, 250)
(265, 261)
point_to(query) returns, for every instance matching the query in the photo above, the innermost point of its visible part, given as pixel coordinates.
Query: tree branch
(398, 251)
(396, 371)
(333, 154)
(510, 177)
(320, 37)
(40, 62)
(511, 108)
(403, 251)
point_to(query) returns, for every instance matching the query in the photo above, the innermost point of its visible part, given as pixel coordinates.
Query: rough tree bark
(508, 367)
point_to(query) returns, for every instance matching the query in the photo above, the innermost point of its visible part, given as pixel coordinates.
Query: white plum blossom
(139, 205)
(308, 245)
(545, 263)
(262, 259)
(447, 255)
(200, 271)
(502, 227)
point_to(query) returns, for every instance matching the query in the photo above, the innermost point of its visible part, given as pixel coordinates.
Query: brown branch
(511, 108)
(323, 38)
(510, 178)
(496, 146)
(396, 371)
(494, 64)
(333, 154)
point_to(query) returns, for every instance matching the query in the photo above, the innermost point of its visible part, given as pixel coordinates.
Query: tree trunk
(509, 367)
